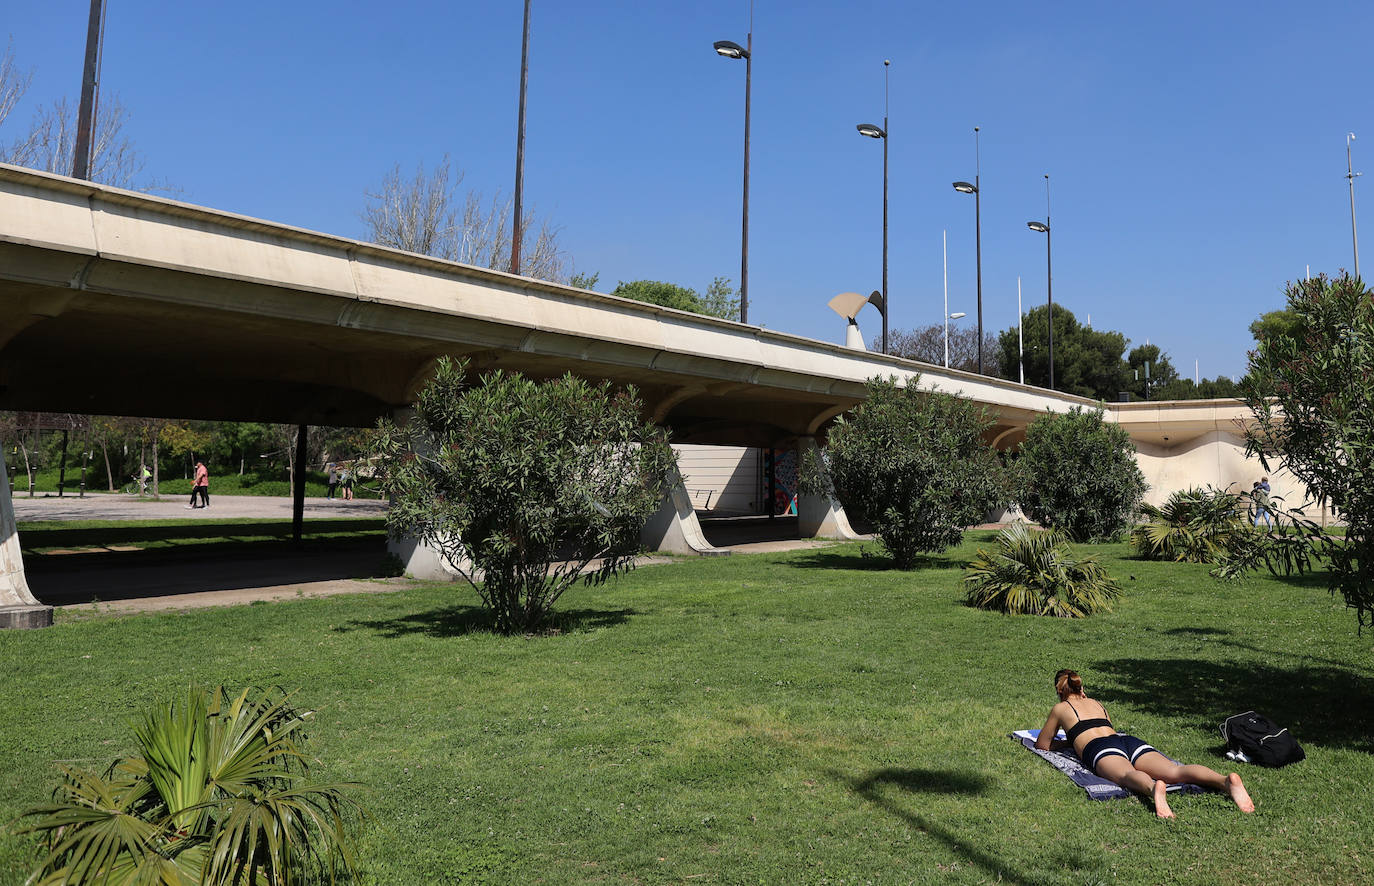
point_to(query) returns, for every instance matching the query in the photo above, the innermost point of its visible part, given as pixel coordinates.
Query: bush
(1310, 391)
(913, 465)
(1078, 474)
(524, 484)
(1193, 526)
(1036, 573)
(216, 794)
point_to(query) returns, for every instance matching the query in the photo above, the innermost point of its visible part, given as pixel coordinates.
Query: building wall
(720, 479)
(1217, 459)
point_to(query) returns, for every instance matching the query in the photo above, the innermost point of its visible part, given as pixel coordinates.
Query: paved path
(117, 506)
(195, 582)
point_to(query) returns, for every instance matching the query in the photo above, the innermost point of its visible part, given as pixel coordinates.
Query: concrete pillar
(18, 607)
(675, 527)
(418, 559)
(820, 516)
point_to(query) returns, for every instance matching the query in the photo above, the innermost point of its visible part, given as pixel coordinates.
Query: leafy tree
(584, 281)
(1186, 389)
(1276, 324)
(1150, 370)
(1313, 403)
(522, 486)
(1036, 573)
(217, 793)
(719, 301)
(1086, 362)
(912, 463)
(1078, 474)
(927, 344)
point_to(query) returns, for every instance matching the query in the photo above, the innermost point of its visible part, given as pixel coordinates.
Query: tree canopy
(1086, 362)
(719, 300)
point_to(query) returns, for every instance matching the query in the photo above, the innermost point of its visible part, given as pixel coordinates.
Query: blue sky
(1196, 150)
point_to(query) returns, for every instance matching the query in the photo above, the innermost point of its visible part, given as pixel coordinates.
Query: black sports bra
(1084, 725)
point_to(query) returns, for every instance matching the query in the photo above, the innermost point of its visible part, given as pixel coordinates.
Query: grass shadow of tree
(461, 620)
(867, 562)
(1321, 704)
(877, 787)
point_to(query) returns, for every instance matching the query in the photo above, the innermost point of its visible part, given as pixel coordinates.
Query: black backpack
(1261, 740)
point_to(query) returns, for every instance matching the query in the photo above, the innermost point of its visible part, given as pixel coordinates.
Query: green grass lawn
(808, 717)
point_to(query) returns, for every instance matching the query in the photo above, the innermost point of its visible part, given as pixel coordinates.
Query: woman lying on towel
(1124, 759)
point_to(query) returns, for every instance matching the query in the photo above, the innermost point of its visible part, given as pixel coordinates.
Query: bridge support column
(18, 607)
(820, 516)
(418, 560)
(675, 527)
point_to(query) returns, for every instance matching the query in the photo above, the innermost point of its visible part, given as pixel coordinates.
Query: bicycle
(136, 487)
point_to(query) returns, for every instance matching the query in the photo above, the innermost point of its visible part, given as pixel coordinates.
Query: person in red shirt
(200, 487)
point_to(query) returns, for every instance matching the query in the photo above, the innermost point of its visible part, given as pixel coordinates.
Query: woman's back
(1083, 720)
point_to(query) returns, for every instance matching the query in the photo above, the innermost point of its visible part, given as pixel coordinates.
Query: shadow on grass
(881, 788)
(226, 529)
(1322, 704)
(865, 562)
(459, 621)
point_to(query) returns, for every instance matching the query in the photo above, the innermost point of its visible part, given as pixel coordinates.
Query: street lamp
(1351, 175)
(517, 234)
(728, 49)
(1044, 228)
(966, 188)
(872, 131)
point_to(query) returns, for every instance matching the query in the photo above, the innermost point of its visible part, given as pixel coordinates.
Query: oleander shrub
(217, 793)
(1197, 525)
(912, 464)
(524, 487)
(1078, 474)
(1037, 573)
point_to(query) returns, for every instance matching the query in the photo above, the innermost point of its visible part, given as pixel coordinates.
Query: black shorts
(1118, 745)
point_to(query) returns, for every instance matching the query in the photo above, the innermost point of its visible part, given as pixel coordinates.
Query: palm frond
(1037, 574)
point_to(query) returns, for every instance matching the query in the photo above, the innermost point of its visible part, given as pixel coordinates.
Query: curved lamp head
(730, 49)
(871, 130)
(957, 315)
(1041, 227)
(848, 304)
(965, 188)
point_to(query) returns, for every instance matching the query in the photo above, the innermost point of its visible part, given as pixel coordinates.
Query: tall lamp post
(1044, 228)
(90, 77)
(727, 49)
(1351, 175)
(966, 188)
(516, 233)
(880, 132)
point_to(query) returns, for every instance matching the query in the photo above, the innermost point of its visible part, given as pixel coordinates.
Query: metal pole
(744, 231)
(944, 249)
(298, 484)
(978, 238)
(62, 466)
(1020, 339)
(1351, 175)
(887, 305)
(85, 121)
(516, 233)
(1049, 292)
(1049, 276)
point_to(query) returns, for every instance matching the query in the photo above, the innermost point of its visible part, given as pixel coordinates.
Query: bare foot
(1162, 802)
(1239, 795)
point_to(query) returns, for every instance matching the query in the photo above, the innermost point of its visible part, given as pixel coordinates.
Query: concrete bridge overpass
(116, 302)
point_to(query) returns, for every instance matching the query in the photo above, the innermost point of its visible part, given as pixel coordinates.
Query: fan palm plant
(217, 794)
(1193, 526)
(1036, 573)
